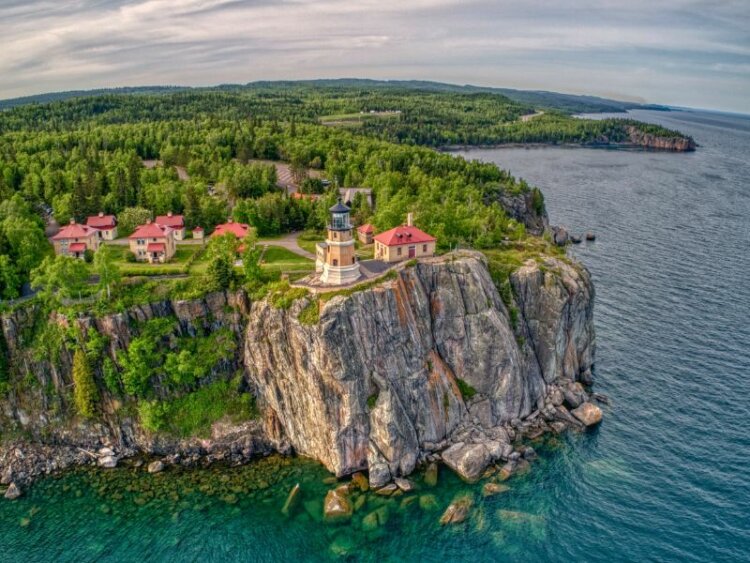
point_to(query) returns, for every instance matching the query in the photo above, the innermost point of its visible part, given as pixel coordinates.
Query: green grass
(280, 259)
(308, 239)
(310, 315)
(181, 262)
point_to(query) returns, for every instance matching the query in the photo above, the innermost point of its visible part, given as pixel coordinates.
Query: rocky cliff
(649, 141)
(431, 360)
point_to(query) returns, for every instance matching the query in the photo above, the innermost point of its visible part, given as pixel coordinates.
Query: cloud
(639, 49)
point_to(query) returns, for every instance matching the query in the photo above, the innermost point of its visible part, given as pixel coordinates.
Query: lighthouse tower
(335, 257)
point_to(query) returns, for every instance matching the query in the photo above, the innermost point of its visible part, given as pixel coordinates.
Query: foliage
(372, 401)
(59, 277)
(467, 391)
(130, 218)
(194, 413)
(221, 253)
(144, 358)
(85, 393)
(107, 269)
(195, 357)
(282, 295)
(310, 314)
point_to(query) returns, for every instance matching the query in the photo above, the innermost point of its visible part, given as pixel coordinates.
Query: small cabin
(404, 243)
(365, 233)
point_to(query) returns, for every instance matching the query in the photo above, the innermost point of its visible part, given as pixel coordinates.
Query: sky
(693, 53)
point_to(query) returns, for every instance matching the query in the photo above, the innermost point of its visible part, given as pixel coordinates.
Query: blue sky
(682, 52)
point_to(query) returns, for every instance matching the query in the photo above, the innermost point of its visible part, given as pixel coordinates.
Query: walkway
(290, 243)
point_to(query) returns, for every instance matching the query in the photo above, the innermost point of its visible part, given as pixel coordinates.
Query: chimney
(101, 214)
(169, 214)
(148, 221)
(410, 219)
(72, 221)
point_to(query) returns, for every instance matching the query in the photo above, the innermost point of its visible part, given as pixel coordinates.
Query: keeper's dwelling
(174, 222)
(335, 258)
(153, 243)
(75, 239)
(105, 224)
(403, 243)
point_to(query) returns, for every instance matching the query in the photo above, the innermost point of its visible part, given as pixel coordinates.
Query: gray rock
(587, 377)
(404, 484)
(106, 452)
(107, 462)
(155, 466)
(560, 236)
(379, 475)
(7, 476)
(590, 235)
(13, 492)
(468, 460)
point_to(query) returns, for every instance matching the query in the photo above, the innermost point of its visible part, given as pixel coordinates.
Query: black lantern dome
(339, 217)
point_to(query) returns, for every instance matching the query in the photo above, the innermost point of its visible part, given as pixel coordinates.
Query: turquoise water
(664, 478)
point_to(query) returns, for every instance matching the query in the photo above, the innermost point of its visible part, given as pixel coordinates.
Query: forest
(71, 159)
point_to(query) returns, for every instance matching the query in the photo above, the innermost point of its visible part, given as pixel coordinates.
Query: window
(140, 242)
(335, 262)
(399, 251)
(424, 248)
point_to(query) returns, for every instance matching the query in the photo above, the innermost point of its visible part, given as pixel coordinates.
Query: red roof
(156, 247)
(404, 235)
(151, 230)
(311, 197)
(198, 229)
(102, 222)
(366, 228)
(74, 230)
(77, 247)
(174, 221)
(237, 229)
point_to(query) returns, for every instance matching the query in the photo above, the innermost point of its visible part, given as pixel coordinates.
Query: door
(412, 251)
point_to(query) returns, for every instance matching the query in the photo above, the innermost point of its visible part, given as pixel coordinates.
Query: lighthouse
(336, 260)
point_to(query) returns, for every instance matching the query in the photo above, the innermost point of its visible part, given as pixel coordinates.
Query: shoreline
(631, 147)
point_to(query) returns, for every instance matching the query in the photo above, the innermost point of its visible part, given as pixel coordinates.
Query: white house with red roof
(105, 224)
(403, 243)
(153, 243)
(174, 222)
(75, 239)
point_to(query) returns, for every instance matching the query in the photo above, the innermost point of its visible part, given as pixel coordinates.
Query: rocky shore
(429, 367)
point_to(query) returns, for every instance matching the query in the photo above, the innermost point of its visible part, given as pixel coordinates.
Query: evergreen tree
(85, 392)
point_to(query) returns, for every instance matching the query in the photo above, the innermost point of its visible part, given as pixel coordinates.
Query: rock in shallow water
(468, 460)
(107, 462)
(291, 500)
(588, 413)
(155, 467)
(337, 505)
(491, 489)
(457, 511)
(431, 475)
(13, 492)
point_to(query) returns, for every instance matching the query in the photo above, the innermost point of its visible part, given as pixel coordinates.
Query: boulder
(376, 518)
(291, 500)
(155, 466)
(7, 476)
(404, 484)
(379, 475)
(388, 490)
(587, 377)
(588, 413)
(360, 481)
(431, 475)
(107, 462)
(560, 236)
(104, 452)
(556, 396)
(590, 235)
(13, 492)
(337, 505)
(468, 460)
(575, 239)
(572, 399)
(428, 502)
(457, 511)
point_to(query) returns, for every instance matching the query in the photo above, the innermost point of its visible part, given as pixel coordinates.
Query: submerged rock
(291, 500)
(428, 502)
(491, 489)
(588, 413)
(457, 511)
(360, 481)
(388, 490)
(404, 484)
(431, 475)
(376, 518)
(337, 505)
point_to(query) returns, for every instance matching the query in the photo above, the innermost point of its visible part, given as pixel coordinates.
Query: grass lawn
(177, 265)
(278, 259)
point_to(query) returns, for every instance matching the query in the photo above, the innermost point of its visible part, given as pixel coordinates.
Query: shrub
(85, 393)
(310, 315)
(372, 401)
(467, 391)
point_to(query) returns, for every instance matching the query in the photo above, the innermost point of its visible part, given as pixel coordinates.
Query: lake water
(664, 478)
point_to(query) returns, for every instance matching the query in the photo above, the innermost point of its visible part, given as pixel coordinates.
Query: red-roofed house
(75, 239)
(239, 230)
(152, 243)
(174, 222)
(403, 243)
(198, 233)
(105, 224)
(365, 233)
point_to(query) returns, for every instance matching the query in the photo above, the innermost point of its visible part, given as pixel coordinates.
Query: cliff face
(649, 141)
(376, 384)
(527, 208)
(386, 378)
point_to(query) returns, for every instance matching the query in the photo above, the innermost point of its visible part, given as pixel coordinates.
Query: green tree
(107, 269)
(59, 277)
(85, 392)
(221, 253)
(130, 218)
(9, 279)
